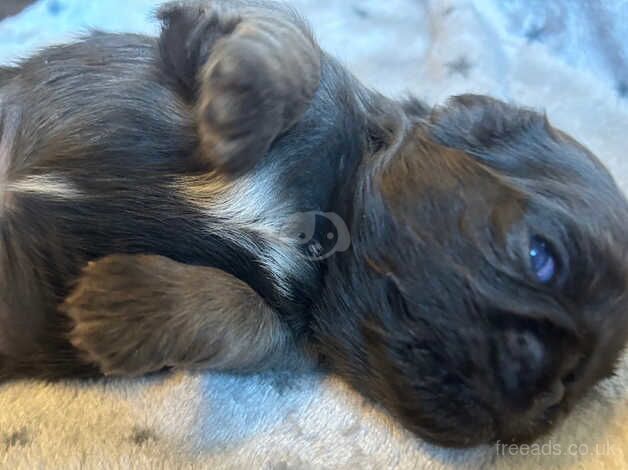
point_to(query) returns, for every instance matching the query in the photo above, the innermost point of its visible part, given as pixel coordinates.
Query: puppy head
(485, 289)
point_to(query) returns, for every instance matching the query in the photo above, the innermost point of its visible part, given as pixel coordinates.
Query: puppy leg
(135, 314)
(250, 70)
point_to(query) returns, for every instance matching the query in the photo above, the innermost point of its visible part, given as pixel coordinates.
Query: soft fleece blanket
(569, 57)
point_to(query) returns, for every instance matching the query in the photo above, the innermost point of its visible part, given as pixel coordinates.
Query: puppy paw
(252, 70)
(116, 308)
(242, 105)
(252, 90)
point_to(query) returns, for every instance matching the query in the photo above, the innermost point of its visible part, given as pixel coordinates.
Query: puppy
(229, 197)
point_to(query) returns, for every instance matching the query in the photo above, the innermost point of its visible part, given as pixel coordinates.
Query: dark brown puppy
(483, 289)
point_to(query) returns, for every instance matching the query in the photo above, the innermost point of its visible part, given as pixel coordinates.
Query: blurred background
(386, 42)
(568, 57)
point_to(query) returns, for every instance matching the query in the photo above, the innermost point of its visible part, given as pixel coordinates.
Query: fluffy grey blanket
(569, 57)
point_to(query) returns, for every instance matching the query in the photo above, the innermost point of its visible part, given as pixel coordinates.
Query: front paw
(116, 306)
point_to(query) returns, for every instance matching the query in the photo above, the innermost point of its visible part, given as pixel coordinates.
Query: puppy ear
(469, 122)
(250, 69)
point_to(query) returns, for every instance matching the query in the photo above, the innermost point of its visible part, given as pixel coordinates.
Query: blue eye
(542, 260)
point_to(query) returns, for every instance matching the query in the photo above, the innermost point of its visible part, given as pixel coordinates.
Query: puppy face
(490, 256)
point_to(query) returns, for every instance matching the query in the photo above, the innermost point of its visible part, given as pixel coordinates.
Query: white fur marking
(249, 205)
(9, 121)
(8, 129)
(51, 185)
(54, 186)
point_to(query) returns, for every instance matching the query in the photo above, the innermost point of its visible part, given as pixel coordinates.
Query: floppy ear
(516, 141)
(250, 69)
(472, 121)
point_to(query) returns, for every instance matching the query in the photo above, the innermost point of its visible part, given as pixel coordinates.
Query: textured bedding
(569, 57)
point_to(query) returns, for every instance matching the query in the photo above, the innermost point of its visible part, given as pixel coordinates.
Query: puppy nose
(534, 384)
(523, 370)
(522, 361)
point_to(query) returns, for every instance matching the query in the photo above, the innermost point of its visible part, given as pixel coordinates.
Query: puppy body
(102, 164)
(151, 150)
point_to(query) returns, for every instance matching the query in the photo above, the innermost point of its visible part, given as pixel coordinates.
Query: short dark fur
(432, 312)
